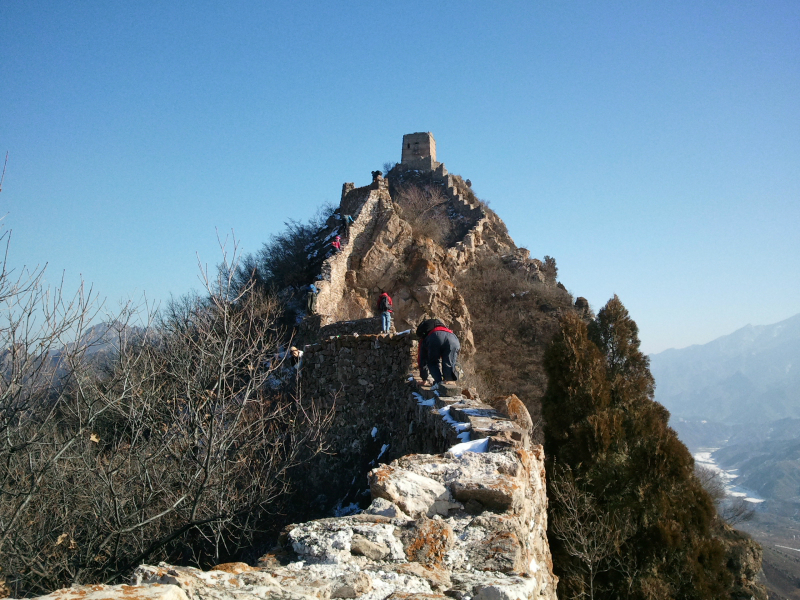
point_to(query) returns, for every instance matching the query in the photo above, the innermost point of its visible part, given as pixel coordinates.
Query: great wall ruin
(457, 488)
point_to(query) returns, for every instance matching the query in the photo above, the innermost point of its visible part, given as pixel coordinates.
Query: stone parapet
(368, 326)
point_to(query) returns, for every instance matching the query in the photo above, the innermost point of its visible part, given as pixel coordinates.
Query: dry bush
(180, 450)
(290, 259)
(731, 509)
(425, 209)
(591, 535)
(513, 319)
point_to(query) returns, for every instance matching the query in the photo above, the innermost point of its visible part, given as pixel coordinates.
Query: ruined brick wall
(368, 326)
(381, 413)
(367, 380)
(365, 206)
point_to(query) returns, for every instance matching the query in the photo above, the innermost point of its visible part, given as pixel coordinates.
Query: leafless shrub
(590, 534)
(180, 450)
(514, 317)
(731, 509)
(425, 209)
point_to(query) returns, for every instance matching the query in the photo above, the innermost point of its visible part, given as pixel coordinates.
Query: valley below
(758, 462)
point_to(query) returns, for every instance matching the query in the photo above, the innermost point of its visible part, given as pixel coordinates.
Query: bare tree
(589, 534)
(731, 509)
(179, 448)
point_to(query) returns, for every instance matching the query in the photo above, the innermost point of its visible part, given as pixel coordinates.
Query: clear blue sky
(652, 148)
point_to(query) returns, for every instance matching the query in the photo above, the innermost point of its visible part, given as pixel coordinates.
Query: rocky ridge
(380, 253)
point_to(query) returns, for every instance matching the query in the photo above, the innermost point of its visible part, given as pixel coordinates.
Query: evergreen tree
(606, 436)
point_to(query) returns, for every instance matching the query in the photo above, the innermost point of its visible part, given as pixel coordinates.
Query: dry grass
(513, 319)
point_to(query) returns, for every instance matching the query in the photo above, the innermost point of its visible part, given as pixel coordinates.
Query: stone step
(442, 402)
(449, 389)
(464, 410)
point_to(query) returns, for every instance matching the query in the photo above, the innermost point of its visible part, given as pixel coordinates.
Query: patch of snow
(473, 446)
(374, 432)
(344, 511)
(403, 333)
(458, 426)
(384, 448)
(421, 401)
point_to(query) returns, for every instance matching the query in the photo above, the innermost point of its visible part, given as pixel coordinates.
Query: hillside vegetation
(629, 517)
(178, 445)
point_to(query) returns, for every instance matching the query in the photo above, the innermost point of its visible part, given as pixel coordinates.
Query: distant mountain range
(740, 395)
(749, 376)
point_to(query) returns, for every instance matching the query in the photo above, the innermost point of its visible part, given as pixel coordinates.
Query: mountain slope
(751, 375)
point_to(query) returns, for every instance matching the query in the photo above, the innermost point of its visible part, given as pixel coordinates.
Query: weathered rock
(500, 493)
(360, 545)
(383, 507)
(438, 578)
(352, 586)
(414, 494)
(329, 541)
(513, 408)
(105, 592)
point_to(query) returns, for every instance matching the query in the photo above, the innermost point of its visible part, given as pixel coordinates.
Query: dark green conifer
(607, 435)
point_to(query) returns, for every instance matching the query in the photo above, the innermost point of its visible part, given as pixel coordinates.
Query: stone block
(416, 495)
(449, 390)
(499, 493)
(361, 546)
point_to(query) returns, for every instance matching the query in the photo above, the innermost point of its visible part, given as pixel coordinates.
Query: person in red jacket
(385, 308)
(437, 343)
(337, 243)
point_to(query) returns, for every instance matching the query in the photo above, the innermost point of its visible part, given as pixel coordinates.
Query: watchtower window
(408, 145)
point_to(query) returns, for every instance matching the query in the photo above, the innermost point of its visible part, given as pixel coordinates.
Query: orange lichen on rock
(233, 567)
(429, 542)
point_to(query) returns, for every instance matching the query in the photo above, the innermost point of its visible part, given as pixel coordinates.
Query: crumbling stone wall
(368, 326)
(366, 205)
(367, 380)
(382, 412)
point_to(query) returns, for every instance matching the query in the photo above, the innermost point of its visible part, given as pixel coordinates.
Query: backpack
(427, 326)
(385, 303)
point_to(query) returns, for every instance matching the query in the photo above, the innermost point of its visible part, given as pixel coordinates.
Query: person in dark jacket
(347, 220)
(437, 342)
(311, 299)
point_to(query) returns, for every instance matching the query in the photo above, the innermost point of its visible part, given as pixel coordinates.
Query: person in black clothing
(437, 342)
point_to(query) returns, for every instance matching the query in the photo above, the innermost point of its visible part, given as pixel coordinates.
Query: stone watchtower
(419, 152)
